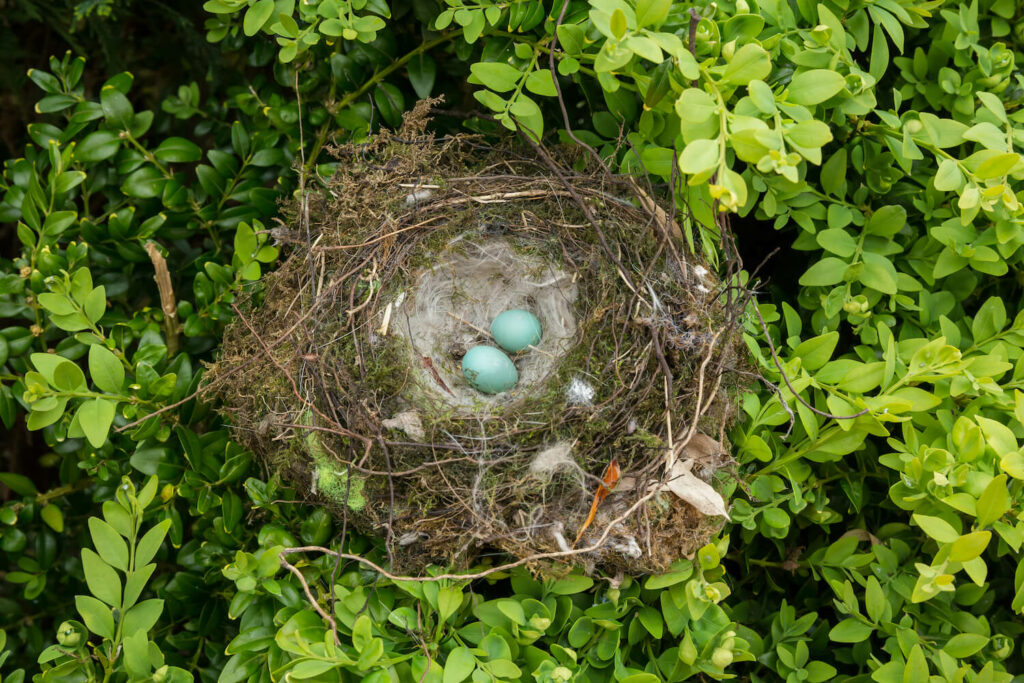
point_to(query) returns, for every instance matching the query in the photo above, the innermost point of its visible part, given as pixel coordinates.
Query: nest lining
(637, 339)
(449, 306)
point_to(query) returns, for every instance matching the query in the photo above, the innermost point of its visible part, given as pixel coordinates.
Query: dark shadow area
(756, 240)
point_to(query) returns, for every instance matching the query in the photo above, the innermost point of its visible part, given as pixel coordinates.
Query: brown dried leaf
(610, 479)
(701, 448)
(695, 491)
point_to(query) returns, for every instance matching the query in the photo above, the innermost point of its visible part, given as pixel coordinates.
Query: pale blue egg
(489, 370)
(516, 329)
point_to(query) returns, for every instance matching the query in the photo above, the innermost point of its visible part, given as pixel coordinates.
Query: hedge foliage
(875, 509)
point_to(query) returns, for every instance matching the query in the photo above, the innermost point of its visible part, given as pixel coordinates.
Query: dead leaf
(609, 480)
(862, 535)
(695, 491)
(662, 218)
(409, 422)
(701, 448)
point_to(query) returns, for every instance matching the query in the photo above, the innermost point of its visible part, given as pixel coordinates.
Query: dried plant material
(409, 422)
(383, 329)
(608, 482)
(660, 216)
(695, 491)
(552, 459)
(862, 535)
(168, 304)
(701, 448)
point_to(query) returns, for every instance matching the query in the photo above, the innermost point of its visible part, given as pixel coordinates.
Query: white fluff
(579, 393)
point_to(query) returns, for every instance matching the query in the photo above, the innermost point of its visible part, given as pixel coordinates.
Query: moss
(339, 487)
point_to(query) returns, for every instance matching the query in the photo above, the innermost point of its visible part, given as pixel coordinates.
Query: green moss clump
(340, 487)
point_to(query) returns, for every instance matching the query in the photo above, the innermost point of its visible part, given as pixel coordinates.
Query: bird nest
(343, 371)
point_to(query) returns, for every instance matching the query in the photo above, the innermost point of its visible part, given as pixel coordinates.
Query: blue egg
(489, 370)
(515, 330)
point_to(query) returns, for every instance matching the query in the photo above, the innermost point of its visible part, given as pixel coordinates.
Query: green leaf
(143, 616)
(145, 183)
(878, 273)
(994, 501)
(652, 12)
(969, 546)
(18, 483)
(103, 581)
(422, 73)
(46, 364)
(109, 544)
(874, 600)
(459, 666)
(58, 304)
(95, 304)
(287, 25)
(116, 107)
(541, 82)
(850, 631)
(762, 96)
(571, 38)
(833, 173)
(40, 419)
(106, 370)
(504, 668)
(815, 352)
(917, 666)
(97, 616)
(652, 621)
(95, 417)
(58, 221)
(67, 376)
(997, 166)
(751, 62)
(310, 668)
(151, 542)
(886, 221)
(570, 585)
(449, 599)
(815, 86)
(936, 527)
(837, 241)
(948, 177)
(497, 76)
(965, 644)
(136, 654)
(618, 24)
(176, 150)
(53, 517)
(827, 271)
(695, 107)
(257, 16)
(700, 156)
(810, 134)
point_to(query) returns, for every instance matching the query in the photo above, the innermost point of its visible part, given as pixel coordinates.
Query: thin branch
(785, 377)
(309, 595)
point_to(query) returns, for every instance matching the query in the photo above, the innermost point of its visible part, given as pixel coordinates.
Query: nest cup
(448, 307)
(344, 372)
